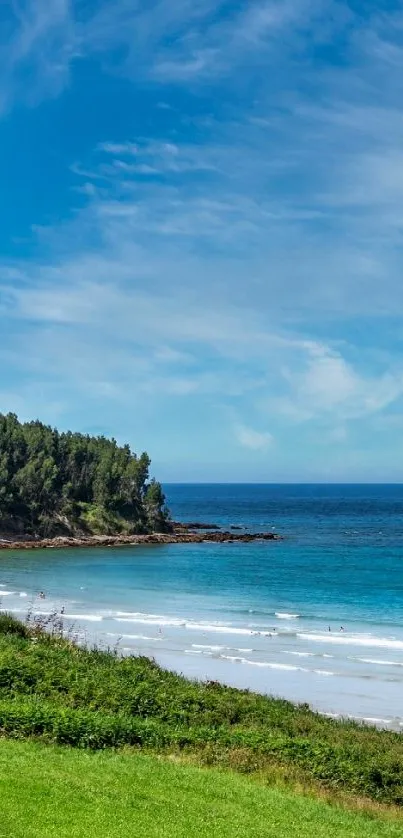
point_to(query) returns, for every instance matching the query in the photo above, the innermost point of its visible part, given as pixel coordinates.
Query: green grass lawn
(48, 791)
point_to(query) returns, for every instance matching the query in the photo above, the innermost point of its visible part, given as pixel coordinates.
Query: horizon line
(279, 483)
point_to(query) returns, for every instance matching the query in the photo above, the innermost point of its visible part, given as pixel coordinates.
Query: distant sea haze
(316, 617)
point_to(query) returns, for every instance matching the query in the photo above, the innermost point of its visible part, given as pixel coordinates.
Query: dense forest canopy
(54, 483)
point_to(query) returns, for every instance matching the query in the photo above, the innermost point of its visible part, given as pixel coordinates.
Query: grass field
(48, 791)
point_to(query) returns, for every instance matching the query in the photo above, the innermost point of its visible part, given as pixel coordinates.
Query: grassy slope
(48, 791)
(72, 696)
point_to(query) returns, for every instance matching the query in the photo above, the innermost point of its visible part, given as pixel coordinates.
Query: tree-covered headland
(54, 483)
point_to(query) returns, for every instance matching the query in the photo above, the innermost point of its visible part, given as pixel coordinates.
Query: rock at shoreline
(178, 536)
(195, 525)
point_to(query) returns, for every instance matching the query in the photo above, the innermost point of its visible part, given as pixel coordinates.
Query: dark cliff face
(92, 522)
(13, 528)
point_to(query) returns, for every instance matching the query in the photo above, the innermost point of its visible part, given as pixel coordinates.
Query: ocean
(316, 617)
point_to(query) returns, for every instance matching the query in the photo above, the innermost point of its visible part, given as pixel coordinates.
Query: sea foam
(283, 615)
(378, 662)
(353, 640)
(92, 618)
(135, 637)
(284, 667)
(151, 621)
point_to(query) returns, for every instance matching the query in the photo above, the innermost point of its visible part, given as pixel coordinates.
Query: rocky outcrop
(198, 526)
(181, 534)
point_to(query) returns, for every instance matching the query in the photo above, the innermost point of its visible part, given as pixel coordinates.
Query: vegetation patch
(51, 688)
(54, 483)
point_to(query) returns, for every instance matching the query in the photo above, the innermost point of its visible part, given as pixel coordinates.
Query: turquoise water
(255, 615)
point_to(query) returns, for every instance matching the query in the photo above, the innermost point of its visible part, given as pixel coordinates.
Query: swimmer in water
(329, 629)
(41, 595)
(341, 628)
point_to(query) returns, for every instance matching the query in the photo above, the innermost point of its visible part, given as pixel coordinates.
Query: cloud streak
(37, 48)
(165, 41)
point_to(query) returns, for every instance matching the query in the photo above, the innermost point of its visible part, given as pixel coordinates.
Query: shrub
(10, 625)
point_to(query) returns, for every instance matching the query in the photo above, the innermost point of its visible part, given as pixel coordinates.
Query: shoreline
(277, 681)
(278, 651)
(298, 688)
(181, 534)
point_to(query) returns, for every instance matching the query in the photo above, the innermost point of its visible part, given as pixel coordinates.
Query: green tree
(50, 479)
(156, 511)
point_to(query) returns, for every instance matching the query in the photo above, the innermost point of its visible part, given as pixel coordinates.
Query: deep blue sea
(316, 617)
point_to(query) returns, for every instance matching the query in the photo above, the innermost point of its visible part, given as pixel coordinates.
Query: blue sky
(201, 231)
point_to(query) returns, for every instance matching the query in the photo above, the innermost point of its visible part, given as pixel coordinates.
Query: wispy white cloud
(36, 48)
(327, 385)
(252, 33)
(115, 339)
(163, 40)
(177, 40)
(191, 42)
(250, 438)
(149, 273)
(155, 157)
